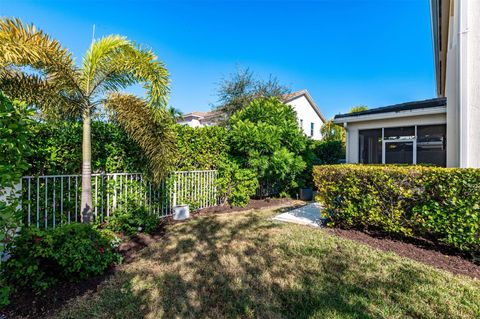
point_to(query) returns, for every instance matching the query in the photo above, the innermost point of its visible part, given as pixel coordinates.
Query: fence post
(174, 189)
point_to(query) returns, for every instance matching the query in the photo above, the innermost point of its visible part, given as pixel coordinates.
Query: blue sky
(346, 53)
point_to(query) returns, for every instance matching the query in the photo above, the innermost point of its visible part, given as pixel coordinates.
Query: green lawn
(244, 265)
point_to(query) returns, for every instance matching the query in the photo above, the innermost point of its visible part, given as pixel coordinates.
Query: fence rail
(49, 200)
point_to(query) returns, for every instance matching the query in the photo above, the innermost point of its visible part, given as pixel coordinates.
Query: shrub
(14, 147)
(438, 203)
(130, 219)
(82, 251)
(235, 184)
(39, 258)
(201, 148)
(329, 152)
(56, 151)
(265, 138)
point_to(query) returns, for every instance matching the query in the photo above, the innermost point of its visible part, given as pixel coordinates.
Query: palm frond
(98, 58)
(114, 63)
(52, 100)
(150, 127)
(24, 45)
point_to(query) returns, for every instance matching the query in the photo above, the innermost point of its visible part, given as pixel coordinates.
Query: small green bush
(131, 219)
(437, 203)
(237, 185)
(39, 258)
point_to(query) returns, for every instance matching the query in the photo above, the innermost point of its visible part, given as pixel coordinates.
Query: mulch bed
(26, 304)
(254, 204)
(418, 249)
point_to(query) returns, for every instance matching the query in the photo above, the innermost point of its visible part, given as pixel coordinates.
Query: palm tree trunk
(86, 201)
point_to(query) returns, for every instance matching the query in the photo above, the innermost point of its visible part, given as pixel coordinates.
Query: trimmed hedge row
(442, 204)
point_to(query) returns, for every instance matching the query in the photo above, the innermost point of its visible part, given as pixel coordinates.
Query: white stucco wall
(306, 113)
(352, 142)
(473, 82)
(193, 122)
(462, 85)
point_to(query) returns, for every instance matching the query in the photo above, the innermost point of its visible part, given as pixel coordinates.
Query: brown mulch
(26, 304)
(418, 249)
(254, 204)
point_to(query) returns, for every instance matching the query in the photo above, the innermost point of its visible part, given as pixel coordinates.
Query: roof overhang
(415, 108)
(390, 115)
(440, 18)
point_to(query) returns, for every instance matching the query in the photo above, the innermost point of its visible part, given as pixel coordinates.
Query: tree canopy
(241, 88)
(265, 137)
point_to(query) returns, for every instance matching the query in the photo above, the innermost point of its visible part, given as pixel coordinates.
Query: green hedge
(437, 203)
(57, 149)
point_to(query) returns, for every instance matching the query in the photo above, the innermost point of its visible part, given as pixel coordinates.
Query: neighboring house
(310, 119)
(445, 130)
(200, 119)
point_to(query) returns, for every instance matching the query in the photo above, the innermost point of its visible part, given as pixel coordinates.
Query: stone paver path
(309, 215)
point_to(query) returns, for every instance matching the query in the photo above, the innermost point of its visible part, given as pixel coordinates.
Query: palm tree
(36, 69)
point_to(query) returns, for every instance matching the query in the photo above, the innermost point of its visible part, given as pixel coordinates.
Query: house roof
(295, 95)
(409, 106)
(212, 115)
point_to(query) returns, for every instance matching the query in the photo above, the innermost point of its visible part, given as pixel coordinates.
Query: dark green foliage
(265, 138)
(14, 148)
(15, 133)
(236, 184)
(329, 152)
(201, 148)
(70, 252)
(56, 151)
(437, 203)
(131, 219)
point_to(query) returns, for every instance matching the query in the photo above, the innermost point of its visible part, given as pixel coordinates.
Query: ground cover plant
(436, 203)
(40, 258)
(130, 219)
(245, 265)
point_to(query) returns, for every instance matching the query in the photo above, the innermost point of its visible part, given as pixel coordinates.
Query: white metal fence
(50, 200)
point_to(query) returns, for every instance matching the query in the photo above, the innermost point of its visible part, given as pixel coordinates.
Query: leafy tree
(358, 108)
(241, 88)
(36, 69)
(174, 112)
(332, 132)
(265, 137)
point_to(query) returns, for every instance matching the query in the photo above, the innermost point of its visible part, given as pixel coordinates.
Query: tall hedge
(200, 148)
(56, 149)
(442, 204)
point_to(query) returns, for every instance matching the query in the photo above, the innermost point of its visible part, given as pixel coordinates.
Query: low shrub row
(442, 204)
(129, 220)
(40, 258)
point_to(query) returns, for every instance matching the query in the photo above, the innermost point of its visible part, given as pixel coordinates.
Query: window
(404, 145)
(312, 125)
(399, 153)
(370, 146)
(399, 133)
(431, 145)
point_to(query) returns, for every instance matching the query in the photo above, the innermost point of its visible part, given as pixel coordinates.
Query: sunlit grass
(244, 265)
